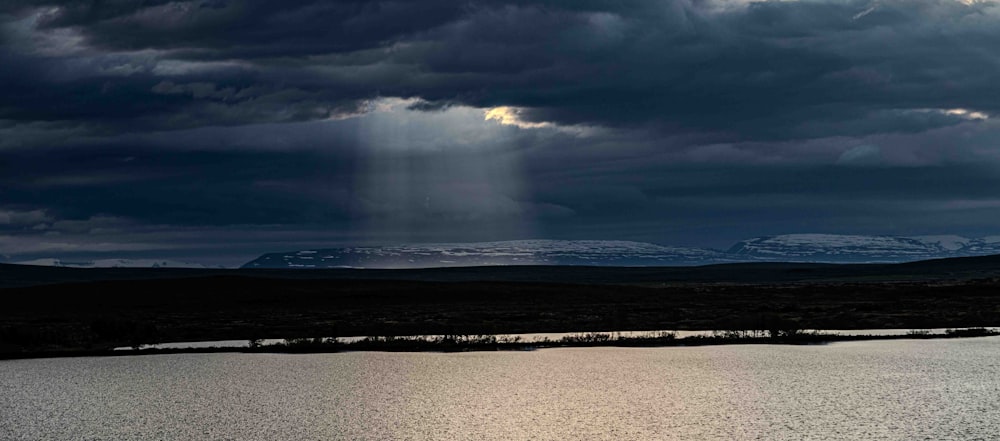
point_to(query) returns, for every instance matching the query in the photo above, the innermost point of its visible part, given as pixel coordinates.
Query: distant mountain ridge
(835, 248)
(518, 252)
(111, 263)
(808, 248)
(815, 248)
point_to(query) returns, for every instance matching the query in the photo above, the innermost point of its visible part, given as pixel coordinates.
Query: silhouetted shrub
(970, 332)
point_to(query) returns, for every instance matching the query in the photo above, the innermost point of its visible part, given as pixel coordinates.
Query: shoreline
(91, 319)
(482, 343)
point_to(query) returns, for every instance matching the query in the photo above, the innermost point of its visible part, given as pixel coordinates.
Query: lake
(877, 390)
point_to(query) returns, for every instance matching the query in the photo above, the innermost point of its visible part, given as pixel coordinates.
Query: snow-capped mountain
(819, 248)
(850, 248)
(111, 263)
(946, 242)
(982, 246)
(520, 252)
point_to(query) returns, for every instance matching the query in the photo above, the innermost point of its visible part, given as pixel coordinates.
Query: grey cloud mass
(692, 122)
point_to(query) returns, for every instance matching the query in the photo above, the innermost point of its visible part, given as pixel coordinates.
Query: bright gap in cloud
(509, 116)
(438, 173)
(966, 113)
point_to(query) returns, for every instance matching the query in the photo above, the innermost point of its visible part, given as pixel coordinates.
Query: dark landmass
(962, 268)
(47, 310)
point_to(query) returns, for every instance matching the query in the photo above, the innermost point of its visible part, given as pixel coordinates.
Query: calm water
(890, 390)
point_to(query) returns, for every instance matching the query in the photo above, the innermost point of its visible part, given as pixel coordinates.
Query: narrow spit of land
(471, 343)
(94, 316)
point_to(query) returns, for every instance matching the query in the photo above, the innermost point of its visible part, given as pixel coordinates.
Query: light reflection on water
(880, 390)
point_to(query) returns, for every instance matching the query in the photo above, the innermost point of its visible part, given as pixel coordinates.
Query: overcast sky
(212, 131)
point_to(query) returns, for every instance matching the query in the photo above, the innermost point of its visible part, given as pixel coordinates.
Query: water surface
(881, 390)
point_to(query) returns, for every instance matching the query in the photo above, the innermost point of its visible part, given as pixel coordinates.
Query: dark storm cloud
(230, 192)
(199, 187)
(764, 70)
(92, 92)
(117, 198)
(251, 29)
(196, 126)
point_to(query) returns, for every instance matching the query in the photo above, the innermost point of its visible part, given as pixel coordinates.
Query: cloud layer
(693, 122)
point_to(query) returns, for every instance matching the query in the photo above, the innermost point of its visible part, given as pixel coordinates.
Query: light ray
(438, 176)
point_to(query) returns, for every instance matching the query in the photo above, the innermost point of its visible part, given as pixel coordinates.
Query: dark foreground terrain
(53, 309)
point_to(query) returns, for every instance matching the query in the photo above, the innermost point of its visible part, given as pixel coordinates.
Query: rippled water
(888, 390)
